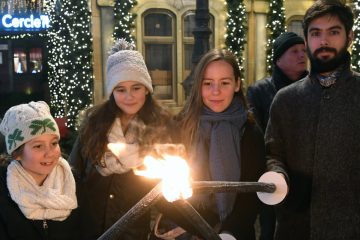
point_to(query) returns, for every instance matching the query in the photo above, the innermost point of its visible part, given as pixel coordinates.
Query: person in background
(313, 134)
(289, 65)
(129, 116)
(223, 143)
(37, 188)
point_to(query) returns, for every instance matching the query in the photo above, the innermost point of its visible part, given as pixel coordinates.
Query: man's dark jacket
(313, 135)
(261, 94)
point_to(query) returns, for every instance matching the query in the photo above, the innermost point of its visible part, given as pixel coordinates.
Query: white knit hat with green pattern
(24, 122)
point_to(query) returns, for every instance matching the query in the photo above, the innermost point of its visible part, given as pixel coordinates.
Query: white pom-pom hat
(126, 64)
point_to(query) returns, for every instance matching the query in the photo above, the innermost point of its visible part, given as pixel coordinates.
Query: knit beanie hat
(284, 42)
(24, 122)
(126, 64)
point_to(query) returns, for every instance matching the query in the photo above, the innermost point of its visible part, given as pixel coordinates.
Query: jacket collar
(345, 73)
(280, 80)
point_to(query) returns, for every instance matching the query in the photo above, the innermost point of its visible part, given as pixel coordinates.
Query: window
(158, 24)
(27, 60)
(160, 41)
(161, 68)
(159, 45)
(35, 60)
(188, 39)
(20, 62)
(296, 27)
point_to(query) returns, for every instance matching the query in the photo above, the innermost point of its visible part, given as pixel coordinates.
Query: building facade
(163, 33)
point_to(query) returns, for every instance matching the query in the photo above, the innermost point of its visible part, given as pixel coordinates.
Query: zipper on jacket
(45, 227)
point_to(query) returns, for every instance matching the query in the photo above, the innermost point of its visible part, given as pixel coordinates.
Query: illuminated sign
(28, 23)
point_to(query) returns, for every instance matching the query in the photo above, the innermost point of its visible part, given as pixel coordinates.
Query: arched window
(159, 50)
(188, 39)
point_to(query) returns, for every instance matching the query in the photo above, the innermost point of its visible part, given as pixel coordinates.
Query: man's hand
(281, 188)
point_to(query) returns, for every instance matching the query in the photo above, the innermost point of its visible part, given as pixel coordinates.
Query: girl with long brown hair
(223, 142)
(129, 117)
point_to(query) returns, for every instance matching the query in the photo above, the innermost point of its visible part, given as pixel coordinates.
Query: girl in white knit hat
(37, 188)
(129, 116)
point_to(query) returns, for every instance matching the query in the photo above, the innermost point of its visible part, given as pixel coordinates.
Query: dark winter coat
(240, 222)
(313, 135)
(15, 226)
(261, 94)
(107, 199)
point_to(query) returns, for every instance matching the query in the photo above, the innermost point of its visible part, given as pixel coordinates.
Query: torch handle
(223, 186)
(206, 231)
(139, 209)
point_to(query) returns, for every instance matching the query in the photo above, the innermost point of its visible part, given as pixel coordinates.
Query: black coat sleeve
(254, 104)
(3, 193)
(274, 142)
(3, 234)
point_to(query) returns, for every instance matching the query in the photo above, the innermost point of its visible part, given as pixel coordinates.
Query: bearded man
(313, 134)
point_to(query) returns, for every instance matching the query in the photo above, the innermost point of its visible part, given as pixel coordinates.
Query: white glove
(226, 236)
(281, 188)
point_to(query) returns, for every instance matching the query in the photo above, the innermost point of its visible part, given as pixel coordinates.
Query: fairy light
(275, 26)
(355, 53)
(124, 20)
(70, 59)
(236, 29)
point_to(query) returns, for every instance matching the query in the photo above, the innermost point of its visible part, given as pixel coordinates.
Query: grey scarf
(216, 152)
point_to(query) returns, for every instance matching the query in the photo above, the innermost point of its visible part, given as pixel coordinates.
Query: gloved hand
(281, 188)
(226, 236)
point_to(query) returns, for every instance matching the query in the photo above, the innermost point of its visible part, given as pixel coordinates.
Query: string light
(70, 59)
(275, 26)
(355, 53)
(236, 29)
(124, 20)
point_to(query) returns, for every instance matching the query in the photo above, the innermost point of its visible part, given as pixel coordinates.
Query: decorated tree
(236, 29)
(70, 59)
(355, 56)
(275, 26)
(124, 19)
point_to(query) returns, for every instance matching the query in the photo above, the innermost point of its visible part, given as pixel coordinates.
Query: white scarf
(54, 200)
(124, 159)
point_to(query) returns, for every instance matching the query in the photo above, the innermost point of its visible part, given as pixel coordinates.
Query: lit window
(35, 60)
(20, 62)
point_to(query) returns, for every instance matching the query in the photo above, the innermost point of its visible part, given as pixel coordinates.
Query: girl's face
(40, 155)
(130, 96)
(219, 85)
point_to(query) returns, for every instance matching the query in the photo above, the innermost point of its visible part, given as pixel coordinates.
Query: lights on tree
(236, 29)
(355, 54)
(124, 19)
(275, 26)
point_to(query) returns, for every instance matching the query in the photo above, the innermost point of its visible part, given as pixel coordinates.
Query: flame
(174, 173)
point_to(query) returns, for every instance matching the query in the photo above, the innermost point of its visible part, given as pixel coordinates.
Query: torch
(176, 187)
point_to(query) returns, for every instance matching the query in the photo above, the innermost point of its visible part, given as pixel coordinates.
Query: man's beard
(328, 65)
